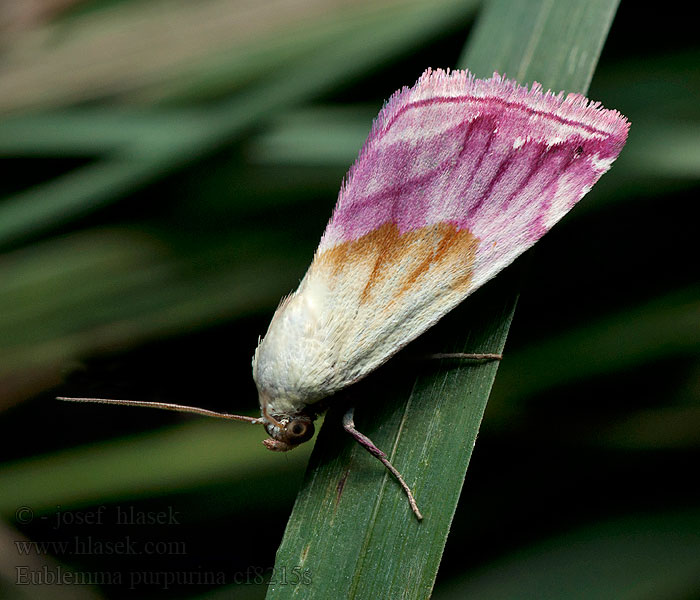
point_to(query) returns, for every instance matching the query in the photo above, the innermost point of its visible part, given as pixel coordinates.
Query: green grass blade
(561, 48)
(351, 527)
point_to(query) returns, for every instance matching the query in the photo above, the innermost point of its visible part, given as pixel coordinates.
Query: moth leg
(465, 356)
(367, 444)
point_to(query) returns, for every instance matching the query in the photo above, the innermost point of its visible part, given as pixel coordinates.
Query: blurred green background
(168, 168)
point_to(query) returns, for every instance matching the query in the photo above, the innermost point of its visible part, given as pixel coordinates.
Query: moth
(457, 178)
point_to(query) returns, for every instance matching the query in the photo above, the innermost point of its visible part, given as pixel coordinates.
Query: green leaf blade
(562, 51)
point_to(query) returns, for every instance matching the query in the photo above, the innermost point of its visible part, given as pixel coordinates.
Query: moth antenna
(167, 406)
(367, 444)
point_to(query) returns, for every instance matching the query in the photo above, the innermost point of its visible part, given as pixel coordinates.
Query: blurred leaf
(57, 304)
(667, 328)
(78, 193)
(134, 132)
(668, 427)
(14, 566)
(166, 48)
(668, 148)
(314, 136)
(173, 459)
(428, 426)
(636, 558)
(661, 85)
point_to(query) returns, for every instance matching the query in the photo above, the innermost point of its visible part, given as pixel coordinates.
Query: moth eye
(299, 430)
(579, 151)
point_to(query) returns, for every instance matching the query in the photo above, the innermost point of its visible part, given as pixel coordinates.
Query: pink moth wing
(457, 178)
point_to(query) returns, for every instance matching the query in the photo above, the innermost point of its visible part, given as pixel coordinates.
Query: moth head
(288, 432)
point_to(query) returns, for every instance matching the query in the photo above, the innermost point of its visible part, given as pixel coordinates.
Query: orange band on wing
(386, 265)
